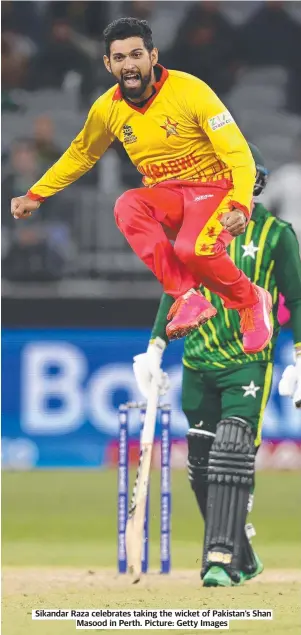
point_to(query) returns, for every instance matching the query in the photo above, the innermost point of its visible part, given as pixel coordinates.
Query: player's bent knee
(232, 455)
(123, 209)
(235, 437)
(184, 251)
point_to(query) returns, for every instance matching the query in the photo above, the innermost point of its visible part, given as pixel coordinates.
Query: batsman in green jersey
(225, 392)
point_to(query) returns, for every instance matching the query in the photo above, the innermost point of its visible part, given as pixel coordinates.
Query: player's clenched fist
(234, 222)
(23, 206)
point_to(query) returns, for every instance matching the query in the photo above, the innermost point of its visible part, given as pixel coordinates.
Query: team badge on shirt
(171, 127)
(128, 135)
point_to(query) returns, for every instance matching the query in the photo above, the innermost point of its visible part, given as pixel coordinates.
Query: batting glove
(147, 366)
(290, 382)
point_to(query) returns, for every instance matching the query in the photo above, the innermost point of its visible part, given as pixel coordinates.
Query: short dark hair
(128, 27)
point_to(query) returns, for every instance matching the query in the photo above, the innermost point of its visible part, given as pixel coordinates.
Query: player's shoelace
(174, 308)
(247, 320)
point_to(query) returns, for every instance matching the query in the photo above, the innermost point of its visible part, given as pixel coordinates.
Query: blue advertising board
(61, 389)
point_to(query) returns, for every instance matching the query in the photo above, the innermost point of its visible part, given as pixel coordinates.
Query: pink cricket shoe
(255, 323)
(187, 313)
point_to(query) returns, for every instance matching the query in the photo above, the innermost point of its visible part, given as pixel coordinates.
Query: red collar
(157, 86)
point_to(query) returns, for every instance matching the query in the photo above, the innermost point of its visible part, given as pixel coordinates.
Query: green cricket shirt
(268, 253)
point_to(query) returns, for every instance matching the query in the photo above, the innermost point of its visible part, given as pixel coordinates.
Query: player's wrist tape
(242, 208)
(35, 197)
(297, 348)
(157, 341)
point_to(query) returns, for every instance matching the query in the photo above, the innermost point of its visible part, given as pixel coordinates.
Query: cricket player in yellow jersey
(199, 176)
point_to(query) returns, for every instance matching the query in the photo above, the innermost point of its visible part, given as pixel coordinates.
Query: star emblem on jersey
(171, 127)
(251, 390)
(250, 250)
(211, 232)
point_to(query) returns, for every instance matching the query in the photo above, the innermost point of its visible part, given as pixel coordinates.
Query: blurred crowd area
(52, 71)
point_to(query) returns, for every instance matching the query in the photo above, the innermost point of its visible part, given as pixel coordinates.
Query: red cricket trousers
(188, 214)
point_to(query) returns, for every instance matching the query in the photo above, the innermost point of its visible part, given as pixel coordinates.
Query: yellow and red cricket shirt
(183, 132)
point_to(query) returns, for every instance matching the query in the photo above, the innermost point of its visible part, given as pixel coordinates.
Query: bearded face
(132, 66)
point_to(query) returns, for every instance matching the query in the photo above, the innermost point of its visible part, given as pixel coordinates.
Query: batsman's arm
(89, 145)
(229, 144)
(288, 279)
(147, 366)
(159, 328)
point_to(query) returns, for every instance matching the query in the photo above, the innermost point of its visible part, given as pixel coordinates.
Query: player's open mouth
(131, 79)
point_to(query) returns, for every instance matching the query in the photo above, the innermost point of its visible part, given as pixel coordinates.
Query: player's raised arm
(288, 276)
(89, 145)
(228, 143)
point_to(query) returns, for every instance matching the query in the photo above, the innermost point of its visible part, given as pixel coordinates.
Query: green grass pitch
(59, 535)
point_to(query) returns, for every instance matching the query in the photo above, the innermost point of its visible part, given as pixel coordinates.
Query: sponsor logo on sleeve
(219, 121)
